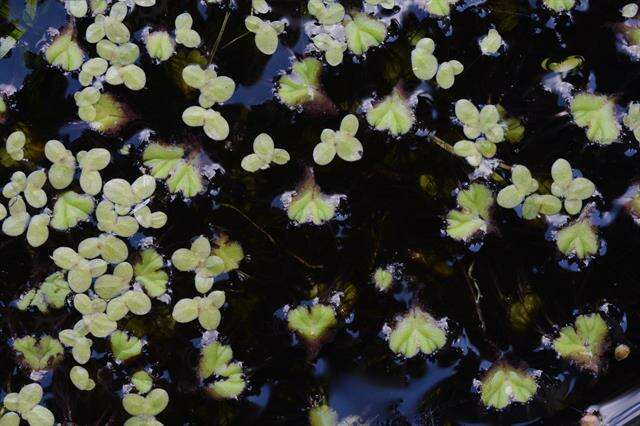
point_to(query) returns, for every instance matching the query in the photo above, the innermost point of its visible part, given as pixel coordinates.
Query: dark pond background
(397, 196)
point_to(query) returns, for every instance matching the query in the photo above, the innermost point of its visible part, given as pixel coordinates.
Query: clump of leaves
(118, 54)
(342, 142)
(264, 153)
(266, 33)
(302, 85)
(473, 214)
(583, 343)
(30, 186)
(327, 12)
(25, 405)
(230, 252)
(475, 151)
(504, 384)
(63, 168)
(559, 5)
(94, 320)
(52, 293)
(307, 204)
(142, 381)
(216, 362)
(491, 43)
(149, 274)
(132, 76)
(143, 409)
(417, 331)
(312, 323)
(579, 239)
(78, 341)
(124, 346)
(39, 354)
(166, 162)
(15, 145)
(485, 122)
(393, 114)
(110, 26)
(322, 415)
(213, 88)
(439, 8)
(199, 259)
(333, 48)
(596, 114)
(205, 309)
(100, 110)
(92, 69)
(573, 190)
(160, 45)
(186, 35)
(64, 52)
(522, 185)
(363, 32)
(70, 209)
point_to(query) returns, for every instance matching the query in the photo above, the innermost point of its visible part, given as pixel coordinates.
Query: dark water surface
(390, 217)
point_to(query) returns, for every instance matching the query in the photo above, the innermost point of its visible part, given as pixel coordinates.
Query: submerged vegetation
(325, 212)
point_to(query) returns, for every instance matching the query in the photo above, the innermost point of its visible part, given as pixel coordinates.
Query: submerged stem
(269, 237)
(220, 33)
(234, 40)
(447, 147)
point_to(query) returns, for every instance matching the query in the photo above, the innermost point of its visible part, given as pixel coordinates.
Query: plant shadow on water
(396, 199)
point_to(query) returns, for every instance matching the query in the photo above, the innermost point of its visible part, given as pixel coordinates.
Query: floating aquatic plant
(504, 384)
(118, 54)
(91, 163)
(110, 287)
(312, 323)
(100, 110)
(264, 153)
(6, 44)
(78, 341)
(64, 52)
(307, 204)
(569, 63)
(632, 119)
(629, 10)
(475, 151)
(333, 49)
(124, 346)
(583, 343)
(63, 168)
(423, 62)
(213, 88)
(185, 34)
(52, 293)
(25, 405)
(110, 26)
(559, 5)
(132, 76)
(303, 84)
(342, 142)
(91, 70)
(491, 43)
(364, 32)
(447, 72)
(70, 209)
(30, 186)
(167, 162)
(149, 274)
(161, 159)
(417, 331)
(200, 260)
(597, 114)
(94, 319)
(260, 6)
(522, 185)
(473, 214)
(213, 123)
(323, 415)
(573, 190)
(142, 381)
(392, 114)
(327, 12)
(160, 45)
(80, 378)
(579, 239)
(205, 309)
(38, 354)
(266, 33)
(536, 204)
(438, 8)
(15, 145)
(143, 409)
(136, 302)
(229, 251)
(478, 123)
(383, 279)
(215, 361)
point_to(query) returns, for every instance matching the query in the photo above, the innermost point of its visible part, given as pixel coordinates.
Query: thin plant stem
(219, 38)
(234, 40)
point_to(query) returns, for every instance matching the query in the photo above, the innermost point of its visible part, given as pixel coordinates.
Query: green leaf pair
(199, 259)
(523, 185)
(327, 12)
(266, 33)
(25, 405)
(573, 190)
(205, 309)
(478, 123)
(110, 26)
(213, 88)
(214, 124)
(186, 35)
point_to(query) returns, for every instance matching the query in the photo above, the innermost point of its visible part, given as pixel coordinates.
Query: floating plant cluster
(109, 271)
